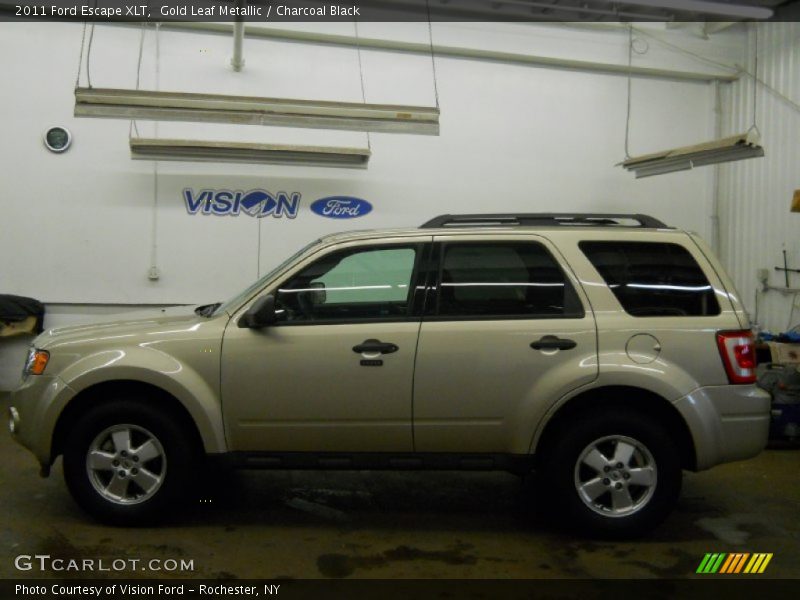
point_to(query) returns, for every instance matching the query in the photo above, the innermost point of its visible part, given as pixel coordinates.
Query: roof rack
(544, 220)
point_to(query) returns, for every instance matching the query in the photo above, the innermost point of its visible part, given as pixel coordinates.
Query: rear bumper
(727, 422)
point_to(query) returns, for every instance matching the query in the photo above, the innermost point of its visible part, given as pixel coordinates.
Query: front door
(335, 373)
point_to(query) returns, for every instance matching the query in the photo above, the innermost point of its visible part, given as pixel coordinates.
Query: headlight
(36, 362)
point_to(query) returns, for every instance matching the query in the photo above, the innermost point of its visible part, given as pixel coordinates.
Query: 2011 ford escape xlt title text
(604, 352)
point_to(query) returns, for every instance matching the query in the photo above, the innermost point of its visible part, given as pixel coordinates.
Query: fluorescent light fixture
(247, 110)
(736, 147)
(242, 152)
(723, 9)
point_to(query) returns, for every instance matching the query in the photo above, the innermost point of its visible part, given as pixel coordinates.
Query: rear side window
(653, 279)
(504, 279)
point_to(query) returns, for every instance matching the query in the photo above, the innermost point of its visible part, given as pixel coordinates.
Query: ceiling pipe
(237, 62)
(271, 33)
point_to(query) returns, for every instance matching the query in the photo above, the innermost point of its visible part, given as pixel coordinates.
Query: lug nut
(121, 473)
(134, 471)
(135, 458)
(115, 463)
(123, 453)
(626, 475)
(606, 481)
(619, 465)
(618, 486)
(606, 469)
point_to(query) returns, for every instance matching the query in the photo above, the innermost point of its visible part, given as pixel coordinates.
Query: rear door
(507, 331)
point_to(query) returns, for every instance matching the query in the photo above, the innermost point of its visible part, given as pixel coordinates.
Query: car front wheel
(126, 463)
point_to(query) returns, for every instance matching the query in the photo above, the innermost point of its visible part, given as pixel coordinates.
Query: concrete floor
(405, 525)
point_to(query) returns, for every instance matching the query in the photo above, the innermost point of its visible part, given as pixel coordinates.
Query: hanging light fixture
(735, 147)
(248, 110)
(728, 149)
(242, 152)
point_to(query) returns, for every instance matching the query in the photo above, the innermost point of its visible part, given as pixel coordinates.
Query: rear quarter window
(653, 279)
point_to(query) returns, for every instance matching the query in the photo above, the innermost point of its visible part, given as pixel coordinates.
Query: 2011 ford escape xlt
(605, 352)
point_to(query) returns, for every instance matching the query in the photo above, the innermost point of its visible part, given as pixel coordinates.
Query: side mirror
(260, 314)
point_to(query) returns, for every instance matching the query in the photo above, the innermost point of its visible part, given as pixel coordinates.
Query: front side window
(504, 279)
(653, 279)
(357, 283)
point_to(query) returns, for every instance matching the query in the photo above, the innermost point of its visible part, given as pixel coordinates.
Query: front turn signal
(38, 362)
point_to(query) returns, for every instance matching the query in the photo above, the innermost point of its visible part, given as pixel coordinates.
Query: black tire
(563, 469)
(173, 467)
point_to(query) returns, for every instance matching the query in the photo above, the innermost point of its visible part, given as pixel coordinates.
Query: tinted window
(653, 279)
(351, 284)
(504, 279)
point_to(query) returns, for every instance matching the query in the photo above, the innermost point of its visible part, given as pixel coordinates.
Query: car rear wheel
(613, 475)
(127, 463)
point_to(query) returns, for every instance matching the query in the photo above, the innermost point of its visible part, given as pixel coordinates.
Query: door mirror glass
(260, 314)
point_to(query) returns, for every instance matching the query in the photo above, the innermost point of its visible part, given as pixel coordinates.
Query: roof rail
(544, 220)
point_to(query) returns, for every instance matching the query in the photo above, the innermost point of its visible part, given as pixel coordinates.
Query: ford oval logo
(341, 207)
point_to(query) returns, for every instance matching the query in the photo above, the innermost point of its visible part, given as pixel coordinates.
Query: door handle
(553, 342)
(375, 346)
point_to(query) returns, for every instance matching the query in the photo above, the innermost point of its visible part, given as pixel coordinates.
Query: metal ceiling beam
(718, 26)
(530, 60)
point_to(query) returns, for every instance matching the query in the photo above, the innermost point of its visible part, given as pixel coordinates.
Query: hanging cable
(134, 125)
(258, 253)
(141, 51)
(158, 55)
(754, 127)
(154, 274)
(628, 113)
(737, 69)
(89, 51)
(433, 60)
(649, 34)
(80, 56)
(792, 103)
(361, 74)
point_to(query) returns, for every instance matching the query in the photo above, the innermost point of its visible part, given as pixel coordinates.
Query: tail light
(738, 352)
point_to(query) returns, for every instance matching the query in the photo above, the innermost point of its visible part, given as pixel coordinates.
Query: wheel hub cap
(615, 476)
(126, 464)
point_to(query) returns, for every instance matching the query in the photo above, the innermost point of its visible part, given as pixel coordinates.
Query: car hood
(133, 323)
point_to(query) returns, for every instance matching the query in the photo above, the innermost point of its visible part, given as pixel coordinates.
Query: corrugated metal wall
(756, 224)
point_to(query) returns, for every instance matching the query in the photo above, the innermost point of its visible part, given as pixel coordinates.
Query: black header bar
(278, 11)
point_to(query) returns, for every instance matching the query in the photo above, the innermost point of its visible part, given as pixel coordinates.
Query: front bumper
(35, 407)
(727, 422)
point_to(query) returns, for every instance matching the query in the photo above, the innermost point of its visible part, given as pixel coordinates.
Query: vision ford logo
(341, 207)
(256, 203)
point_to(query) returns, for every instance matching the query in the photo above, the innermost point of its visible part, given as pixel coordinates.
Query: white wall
(78, 227)
(756, 194)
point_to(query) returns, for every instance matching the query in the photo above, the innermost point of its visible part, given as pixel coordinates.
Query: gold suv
(605, 352)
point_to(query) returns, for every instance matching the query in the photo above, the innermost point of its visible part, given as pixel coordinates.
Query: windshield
(245, 294)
